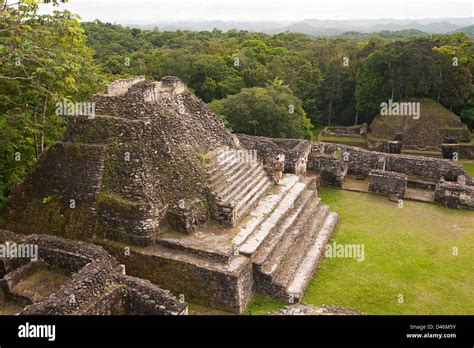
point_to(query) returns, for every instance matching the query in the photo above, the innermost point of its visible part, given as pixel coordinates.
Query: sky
(149, 11)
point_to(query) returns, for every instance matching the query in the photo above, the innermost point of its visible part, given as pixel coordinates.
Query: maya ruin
(236, 172)
(155, 186)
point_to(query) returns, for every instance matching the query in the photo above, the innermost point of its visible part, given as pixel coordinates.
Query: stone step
(236, 180)
(220, 162)
(246, 191)
(278, 214)
(264, 207)
(267, 249)
(211, 156)
(247, 185)
(261, 184)
(220, 170)
(273, 265)
(251, 203)
(219, 253)
(300, 247)
(221, 178)
(312, 258)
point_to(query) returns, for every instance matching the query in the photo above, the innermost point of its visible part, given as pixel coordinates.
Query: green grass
(262, 305)
(342, 139)
(408, 251)
(372, 137)
(469, 167)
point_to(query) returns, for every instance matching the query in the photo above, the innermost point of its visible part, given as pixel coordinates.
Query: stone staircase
(277, 237)
(235, 184)
(286, 238)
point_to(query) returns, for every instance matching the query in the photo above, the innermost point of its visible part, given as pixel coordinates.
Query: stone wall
(454, 194)
(333, 169)
(362, 162)
(359, 130)
(59, 196)
(387, 183)
(144, 298)
(359, 161)
(122, 85)
(97, 284)
(464, 151)
(195, 278)
(269, 148)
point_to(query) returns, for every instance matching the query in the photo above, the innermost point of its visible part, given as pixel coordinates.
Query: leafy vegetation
(271, 111)
(340, 80)
(44, 59)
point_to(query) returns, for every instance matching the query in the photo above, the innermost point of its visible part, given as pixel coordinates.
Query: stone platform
(273, 250)
(413, 192)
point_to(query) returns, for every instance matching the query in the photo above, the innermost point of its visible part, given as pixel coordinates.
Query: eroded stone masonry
(69, 277)
(158, 181)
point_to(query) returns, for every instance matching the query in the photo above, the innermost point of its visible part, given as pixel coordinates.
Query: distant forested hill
(335, 78)
(318, 27)
(469, 31)
(385, 34)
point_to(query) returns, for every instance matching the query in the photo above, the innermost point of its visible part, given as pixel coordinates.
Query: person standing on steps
(281, 159)
(302, 166)
(278, 167)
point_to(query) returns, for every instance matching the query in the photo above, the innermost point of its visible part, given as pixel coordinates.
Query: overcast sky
(149, 11)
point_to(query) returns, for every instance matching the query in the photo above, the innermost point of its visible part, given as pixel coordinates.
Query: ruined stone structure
(425, 134)
(131, 170)
(455, 194)
(345, 131)
(410, 177)
(73, 278)
(268, 148)
(156, 173)
(158, 181)
(435, 132)
(388, 183)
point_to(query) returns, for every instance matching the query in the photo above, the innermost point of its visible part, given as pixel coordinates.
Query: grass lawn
(342, 139)
(408, 252)
(469, 167)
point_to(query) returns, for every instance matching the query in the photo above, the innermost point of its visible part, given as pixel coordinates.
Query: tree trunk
(43, 119)
(331, 96)
(35, 139)
(330, 112)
